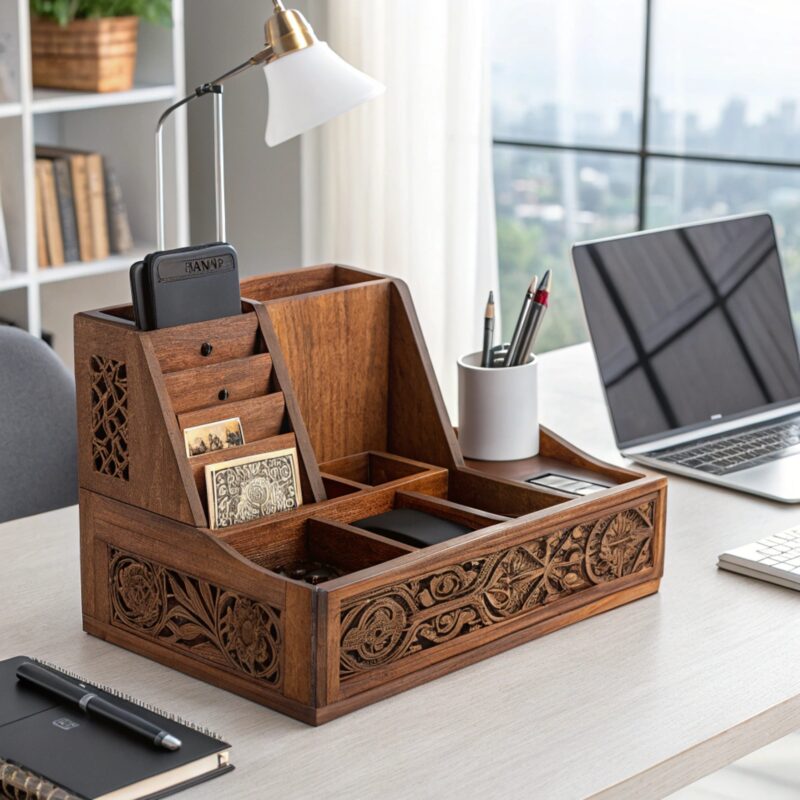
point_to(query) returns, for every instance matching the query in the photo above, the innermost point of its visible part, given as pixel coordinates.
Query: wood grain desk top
(631, 704)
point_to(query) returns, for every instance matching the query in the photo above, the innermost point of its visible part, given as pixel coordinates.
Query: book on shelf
(66, 209)
(92, 213)
(5, 256)
(41, 238)
(119, 227)
(52, 223)
(80, 189)
(97, 205)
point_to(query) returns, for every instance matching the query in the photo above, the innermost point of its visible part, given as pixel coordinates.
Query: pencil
(519, 328)
(488, 332)
(538, 308)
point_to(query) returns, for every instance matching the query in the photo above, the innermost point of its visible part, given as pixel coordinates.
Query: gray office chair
(38, 439)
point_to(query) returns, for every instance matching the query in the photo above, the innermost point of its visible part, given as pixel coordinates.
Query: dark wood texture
(330, 360)
(341, 377)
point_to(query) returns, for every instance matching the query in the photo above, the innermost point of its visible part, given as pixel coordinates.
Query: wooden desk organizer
(330, 359)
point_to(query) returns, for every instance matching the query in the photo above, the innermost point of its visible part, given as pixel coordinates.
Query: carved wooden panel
(186, 613)
(109, 417)
(388, 624)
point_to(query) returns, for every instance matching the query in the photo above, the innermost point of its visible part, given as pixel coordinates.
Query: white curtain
(403, 185)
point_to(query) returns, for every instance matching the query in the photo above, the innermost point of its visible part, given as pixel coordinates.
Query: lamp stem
(213, 87)
(219, 166)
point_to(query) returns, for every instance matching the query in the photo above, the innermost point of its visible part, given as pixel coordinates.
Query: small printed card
(213, 436)
(252, 487)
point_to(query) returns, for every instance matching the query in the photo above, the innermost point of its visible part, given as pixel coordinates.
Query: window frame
(644, 153)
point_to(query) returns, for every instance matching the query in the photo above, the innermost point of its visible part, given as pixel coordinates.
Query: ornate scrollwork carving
(109, 417)
(190, 614)
(383, 626)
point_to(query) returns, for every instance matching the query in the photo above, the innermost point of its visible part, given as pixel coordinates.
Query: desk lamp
(307, 83)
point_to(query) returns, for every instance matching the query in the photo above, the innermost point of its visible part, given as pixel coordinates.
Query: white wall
(263, 184)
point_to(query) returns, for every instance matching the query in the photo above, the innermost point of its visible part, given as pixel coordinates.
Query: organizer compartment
(330, 360)
(326, 541)
(374, 469)
(277, 285)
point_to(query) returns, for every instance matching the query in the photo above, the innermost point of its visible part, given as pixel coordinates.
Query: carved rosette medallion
(190, 614)
(383, 626)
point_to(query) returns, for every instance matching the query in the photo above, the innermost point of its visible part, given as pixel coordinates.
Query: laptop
(697, 353)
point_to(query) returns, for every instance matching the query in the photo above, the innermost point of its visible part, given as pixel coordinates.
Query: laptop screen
(690, 325)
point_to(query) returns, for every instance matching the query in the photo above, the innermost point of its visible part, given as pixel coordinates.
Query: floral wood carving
(389, 624)
(190, 614)
(110, 417)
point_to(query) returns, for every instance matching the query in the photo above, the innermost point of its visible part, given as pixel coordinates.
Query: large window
(612, 116)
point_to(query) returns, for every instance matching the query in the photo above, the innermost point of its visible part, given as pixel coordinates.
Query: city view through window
(611, 117)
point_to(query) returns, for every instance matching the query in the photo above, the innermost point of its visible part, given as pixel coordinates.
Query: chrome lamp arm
(213, 88)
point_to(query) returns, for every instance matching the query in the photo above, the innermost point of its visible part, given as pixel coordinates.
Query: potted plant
(89, 45)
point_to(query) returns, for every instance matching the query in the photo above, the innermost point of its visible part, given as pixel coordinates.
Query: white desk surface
(631, 704)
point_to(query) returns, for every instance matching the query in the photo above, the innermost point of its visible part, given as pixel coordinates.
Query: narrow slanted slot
(259, 417)
(273, 444)
(201, 387)
(258, 480)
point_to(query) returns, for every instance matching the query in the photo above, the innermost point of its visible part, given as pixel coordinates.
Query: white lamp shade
(311, 86)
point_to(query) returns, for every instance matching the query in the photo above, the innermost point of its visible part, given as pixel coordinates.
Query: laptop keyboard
(719, 455)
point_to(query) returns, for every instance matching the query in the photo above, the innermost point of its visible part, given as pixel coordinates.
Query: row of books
(80, 211)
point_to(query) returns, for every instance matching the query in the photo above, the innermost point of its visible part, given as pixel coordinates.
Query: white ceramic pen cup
(498, 410)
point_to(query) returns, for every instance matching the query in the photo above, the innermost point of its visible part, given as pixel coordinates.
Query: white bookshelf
(120, 125)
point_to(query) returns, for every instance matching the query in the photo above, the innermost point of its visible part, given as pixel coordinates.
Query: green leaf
(158, 12)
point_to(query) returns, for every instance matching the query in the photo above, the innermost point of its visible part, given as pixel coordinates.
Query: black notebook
(94, 759)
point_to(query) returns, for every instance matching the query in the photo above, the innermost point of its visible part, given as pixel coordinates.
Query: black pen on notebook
(535, 317)
(80, 695)
(519, 328)
(488, 332)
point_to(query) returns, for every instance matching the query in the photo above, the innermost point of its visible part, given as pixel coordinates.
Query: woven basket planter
(88, 55)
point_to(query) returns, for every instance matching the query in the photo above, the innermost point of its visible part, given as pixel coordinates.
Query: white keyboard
(775, 558)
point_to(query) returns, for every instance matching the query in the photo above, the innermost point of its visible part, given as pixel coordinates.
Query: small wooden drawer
(204, 343)
(200, 387)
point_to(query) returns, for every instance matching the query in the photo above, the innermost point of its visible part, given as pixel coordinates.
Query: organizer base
(329, 360)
